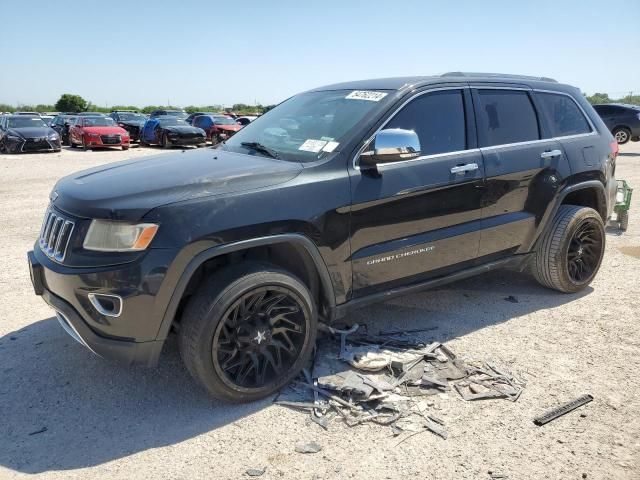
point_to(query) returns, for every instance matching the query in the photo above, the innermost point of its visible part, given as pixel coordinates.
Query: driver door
(417, 219)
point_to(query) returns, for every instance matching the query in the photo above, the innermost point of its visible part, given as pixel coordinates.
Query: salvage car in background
(27, 133)
(61, 125)
(193, 115)
(246, 120)
(92, 132)
(169, 113)
(132, 122)
(217, 127)
(622, 120)
(169, 131)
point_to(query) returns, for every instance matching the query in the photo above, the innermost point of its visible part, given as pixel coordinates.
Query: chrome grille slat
(55, 235)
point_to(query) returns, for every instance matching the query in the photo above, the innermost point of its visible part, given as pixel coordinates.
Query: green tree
(597, 98)
(4, 107)
(71, 103)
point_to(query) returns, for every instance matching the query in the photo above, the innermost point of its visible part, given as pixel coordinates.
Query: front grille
(110, 139)
(55, 235)
(35, 144)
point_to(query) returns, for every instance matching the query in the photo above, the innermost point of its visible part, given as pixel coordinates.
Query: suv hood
(128, 190)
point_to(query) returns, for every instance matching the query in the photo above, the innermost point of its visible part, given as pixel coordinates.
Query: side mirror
(391, 145)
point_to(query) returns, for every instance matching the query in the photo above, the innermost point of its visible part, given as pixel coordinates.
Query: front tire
(166, 143)
(622, 135)
(569, 254)
(248, 331)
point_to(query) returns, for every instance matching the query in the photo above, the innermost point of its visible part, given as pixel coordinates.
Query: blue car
(171, 131)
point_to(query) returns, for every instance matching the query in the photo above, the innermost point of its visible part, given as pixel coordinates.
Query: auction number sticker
(366, 95)
(311, 145)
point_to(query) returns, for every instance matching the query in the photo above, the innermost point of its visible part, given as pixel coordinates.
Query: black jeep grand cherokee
(336, 198)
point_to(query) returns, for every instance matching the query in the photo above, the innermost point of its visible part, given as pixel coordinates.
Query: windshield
(173, 113)
(26, 121)
(126, 117)
(304, 127)
(168, 122)
(98, 122)
(224, 121)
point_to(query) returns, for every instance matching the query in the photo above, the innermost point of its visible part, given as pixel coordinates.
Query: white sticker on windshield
(311, 145)
(366, 95)
(330, 147)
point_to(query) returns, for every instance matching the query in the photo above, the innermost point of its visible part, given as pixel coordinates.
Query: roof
(402, 83)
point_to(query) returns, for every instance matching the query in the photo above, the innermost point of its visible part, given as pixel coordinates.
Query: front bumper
(100, 142)
(184, 141)
(131, 338)
(32, 145)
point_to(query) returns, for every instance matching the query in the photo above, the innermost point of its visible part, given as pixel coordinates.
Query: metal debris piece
(42, 430)
(302, 405)
(256, 472)
(365, 378)
(562, 410)
(310, 447)
(512, 299)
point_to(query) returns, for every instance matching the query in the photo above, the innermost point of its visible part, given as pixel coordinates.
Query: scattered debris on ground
(387, 379)
(42, 430)
(255, 472)
(561, 410)
(308, 447)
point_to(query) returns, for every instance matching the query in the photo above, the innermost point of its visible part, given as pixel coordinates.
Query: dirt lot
(104, 421)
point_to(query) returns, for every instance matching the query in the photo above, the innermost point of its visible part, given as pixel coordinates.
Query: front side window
(506, 116)
(438, 119)
(563, 115)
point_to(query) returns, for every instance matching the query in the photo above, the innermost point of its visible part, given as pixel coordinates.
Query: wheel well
(290, 257)
(588, 197)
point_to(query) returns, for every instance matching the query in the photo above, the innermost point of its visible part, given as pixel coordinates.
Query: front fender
(193, 256)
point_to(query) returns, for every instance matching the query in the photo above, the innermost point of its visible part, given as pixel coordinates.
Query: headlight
(53, 136)
(13, 138)
(107, 236)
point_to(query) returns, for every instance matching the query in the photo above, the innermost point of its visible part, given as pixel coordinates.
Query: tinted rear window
(438, 119)
(506, 116)
(563, 115)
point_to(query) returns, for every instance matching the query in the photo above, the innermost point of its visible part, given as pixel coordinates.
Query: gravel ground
(100, 420)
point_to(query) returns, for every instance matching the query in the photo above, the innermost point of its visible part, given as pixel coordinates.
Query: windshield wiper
(258, 147)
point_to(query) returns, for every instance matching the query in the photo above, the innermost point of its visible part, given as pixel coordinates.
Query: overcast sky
(205, 52)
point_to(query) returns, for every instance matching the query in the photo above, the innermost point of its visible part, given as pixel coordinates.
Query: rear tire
(623, 220)
(248, 331)
(568, 255)
(622, 135)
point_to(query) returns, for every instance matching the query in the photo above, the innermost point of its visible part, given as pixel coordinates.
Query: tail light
(615, 148)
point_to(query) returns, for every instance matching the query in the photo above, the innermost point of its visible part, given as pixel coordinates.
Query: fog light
(107, 305)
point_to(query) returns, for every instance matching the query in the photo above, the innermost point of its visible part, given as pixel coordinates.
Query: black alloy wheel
(259, 337)
(584, 252)
(248, 330)
(569, 252)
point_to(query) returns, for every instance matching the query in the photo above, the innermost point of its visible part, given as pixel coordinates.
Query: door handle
(469, 167)
(550, 154)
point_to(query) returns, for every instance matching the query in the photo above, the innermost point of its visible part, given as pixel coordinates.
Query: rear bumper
(76, 321)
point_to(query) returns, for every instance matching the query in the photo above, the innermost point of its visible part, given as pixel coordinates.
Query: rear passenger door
(524, 166)
(420, 218)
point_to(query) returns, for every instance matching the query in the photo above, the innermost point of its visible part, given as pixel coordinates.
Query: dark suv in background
(622, 120)
(338, 197)
(131, 121)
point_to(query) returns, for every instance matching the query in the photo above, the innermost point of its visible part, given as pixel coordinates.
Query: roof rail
(498, 75)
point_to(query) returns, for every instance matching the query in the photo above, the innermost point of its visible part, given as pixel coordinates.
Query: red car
(216, 127)
(97, 132)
